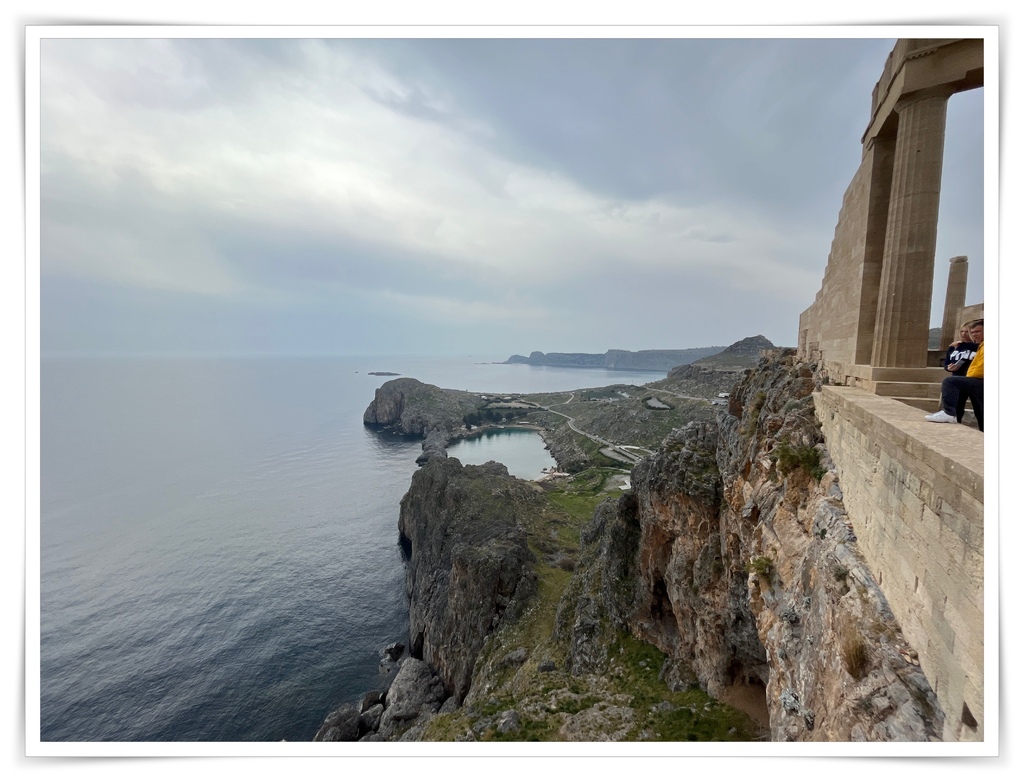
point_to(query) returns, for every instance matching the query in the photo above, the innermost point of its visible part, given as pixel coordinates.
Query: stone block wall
(828, 326)
(838, 327)
(915, 493)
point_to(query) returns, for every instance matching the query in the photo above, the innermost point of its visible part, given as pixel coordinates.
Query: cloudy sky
(452, 196)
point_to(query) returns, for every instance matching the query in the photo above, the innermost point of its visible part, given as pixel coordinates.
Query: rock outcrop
(469, 570)
(400, 714)
(734, 555)
(415, 695)
(711, 376)
(469, 566)
(743, 354)
(408, 407)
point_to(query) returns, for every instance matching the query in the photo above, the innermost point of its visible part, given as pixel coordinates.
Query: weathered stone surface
(917, 499)
(603, 589)
(369, 720)
(407, 406)
(415, 694)
(340, 725)
(745, 569)
(598, 723)
(468, 561)
(509, 722)
(371, 699)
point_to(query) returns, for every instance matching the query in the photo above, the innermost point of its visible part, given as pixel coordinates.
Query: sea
(219, 556)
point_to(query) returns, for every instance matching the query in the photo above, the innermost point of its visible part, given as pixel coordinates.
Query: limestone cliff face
(691, 582)
(746, 571)
(408, 407)
(469, 566)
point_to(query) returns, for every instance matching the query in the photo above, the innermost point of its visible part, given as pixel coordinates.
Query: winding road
(620, 453)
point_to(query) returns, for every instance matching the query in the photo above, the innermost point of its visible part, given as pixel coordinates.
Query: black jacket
(958, 357)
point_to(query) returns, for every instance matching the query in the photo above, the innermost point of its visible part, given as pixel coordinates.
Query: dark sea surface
(219, 551)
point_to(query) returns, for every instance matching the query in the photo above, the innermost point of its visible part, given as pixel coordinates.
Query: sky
(455, 196)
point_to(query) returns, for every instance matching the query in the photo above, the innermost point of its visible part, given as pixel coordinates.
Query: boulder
(415, 694)
(369, 720)
(340, 725)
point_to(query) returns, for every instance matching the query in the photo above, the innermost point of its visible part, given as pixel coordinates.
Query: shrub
(752, 413)
(792, 457)
(763, 566)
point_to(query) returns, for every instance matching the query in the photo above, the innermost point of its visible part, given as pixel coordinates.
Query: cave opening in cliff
(661, 612)
(738, 673)
(406, 545)
(416, 646)
(747, 692)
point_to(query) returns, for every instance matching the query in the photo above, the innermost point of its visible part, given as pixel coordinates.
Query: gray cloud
(456, 194)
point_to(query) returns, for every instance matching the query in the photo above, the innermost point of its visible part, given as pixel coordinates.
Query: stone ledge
(954, 451)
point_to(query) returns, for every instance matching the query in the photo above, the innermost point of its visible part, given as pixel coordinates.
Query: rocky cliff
(408, 407)
(733, 554)
(463, 530)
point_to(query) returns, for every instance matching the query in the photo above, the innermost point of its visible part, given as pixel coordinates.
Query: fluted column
(908, 263)
(956, 297)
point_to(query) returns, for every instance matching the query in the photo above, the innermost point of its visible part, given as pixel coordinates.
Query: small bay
(522, 451)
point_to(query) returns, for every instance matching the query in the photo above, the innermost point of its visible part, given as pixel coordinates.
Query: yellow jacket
(977, 367)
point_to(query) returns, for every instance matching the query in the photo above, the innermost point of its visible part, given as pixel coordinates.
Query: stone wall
(915, 493)
(839, 326)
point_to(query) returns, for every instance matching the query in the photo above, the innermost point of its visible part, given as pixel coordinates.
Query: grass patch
(854, 652)
(664, 715)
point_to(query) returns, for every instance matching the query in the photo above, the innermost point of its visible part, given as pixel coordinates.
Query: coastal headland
(652, 360)
(721, 596)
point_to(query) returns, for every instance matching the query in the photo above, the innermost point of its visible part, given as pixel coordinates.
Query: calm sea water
(218, 537)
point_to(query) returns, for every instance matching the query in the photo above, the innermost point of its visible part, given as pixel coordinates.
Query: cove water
(219, 553)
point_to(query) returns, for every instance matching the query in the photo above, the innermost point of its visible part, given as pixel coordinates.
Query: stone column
(908, 263)
(956, 297)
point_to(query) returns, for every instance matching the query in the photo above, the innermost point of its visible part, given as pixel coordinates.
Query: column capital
(943, 91)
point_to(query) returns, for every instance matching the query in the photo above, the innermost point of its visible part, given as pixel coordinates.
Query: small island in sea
(385, 374)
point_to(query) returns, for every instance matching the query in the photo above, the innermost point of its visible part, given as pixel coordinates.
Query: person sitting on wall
(957, 389)
(960, 353)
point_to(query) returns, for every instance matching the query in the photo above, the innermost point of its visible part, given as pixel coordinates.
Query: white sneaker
(941, 417)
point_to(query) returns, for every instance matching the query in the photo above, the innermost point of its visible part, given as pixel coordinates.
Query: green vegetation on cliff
(524, 687)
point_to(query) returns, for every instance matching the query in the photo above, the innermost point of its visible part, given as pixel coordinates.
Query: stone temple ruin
(914, 490)
(869, 321)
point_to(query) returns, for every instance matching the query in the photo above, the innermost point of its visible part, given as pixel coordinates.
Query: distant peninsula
(644, 360)
(384, 374)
